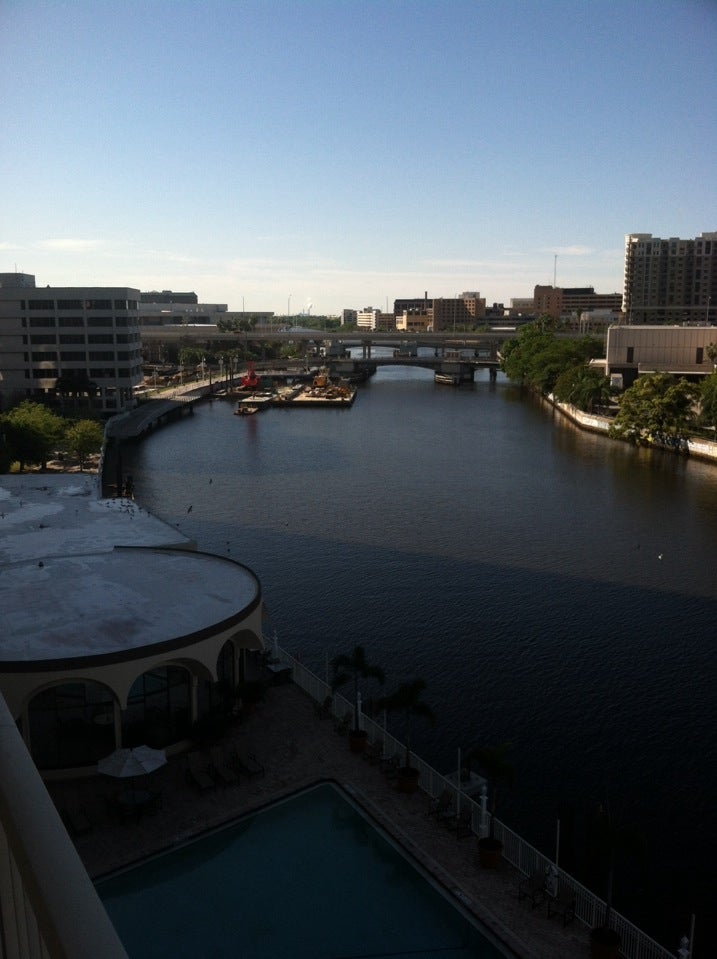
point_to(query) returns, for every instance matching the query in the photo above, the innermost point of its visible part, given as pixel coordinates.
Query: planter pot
(604, 943)
(357, 740)
(407, 780)
(490, 852)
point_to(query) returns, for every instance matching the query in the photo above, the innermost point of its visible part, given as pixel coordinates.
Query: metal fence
(589, 908)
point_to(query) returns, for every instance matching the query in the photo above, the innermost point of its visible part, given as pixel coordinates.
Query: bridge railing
(589, 908)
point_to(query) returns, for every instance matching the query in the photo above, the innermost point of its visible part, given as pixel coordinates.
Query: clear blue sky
(341, 153)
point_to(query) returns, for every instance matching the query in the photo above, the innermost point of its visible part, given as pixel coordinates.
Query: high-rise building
(63, 342)
(670, 281)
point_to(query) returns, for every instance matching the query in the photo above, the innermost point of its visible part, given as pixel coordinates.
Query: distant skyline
(331, 154)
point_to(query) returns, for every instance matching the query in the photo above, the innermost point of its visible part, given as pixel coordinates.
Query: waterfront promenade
(298, 749)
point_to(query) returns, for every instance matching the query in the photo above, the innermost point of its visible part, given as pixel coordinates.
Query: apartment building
(670, 281)
(59, 342)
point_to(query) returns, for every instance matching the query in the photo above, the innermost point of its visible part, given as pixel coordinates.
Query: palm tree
(352, 668)
(407, 699)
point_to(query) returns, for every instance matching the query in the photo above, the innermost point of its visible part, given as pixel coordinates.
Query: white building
(60, 342)
(632, 351)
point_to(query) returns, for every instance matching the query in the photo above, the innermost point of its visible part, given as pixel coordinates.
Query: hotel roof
(83, 578)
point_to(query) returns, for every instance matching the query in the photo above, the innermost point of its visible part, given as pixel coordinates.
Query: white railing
(49, 908)
(589, 908)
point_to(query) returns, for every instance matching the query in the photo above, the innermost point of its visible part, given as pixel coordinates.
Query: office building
(560, 302)
(58, 343)
(670, 281)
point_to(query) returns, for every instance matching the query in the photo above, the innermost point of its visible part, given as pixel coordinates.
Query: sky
(316, 155)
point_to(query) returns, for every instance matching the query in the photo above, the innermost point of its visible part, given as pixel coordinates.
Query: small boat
(245, 410)
(447, 379)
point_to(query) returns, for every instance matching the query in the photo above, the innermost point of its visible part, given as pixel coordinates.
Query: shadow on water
(553, 588)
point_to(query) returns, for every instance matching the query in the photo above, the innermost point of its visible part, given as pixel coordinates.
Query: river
(554, 589)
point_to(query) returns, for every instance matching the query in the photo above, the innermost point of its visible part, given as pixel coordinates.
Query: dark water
(554, 589)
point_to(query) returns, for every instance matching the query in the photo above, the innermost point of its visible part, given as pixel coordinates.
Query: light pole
(288, 308)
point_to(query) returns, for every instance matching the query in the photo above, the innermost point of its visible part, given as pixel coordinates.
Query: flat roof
(83, 578)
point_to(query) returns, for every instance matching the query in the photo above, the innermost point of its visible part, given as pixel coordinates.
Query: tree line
(31, 435)
(658, 408)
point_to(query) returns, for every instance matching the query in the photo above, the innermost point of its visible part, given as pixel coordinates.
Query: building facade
(64, 343)
(670, 281)
(632, 351)
(572, 301)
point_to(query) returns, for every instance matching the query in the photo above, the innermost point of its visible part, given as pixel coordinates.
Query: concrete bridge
(455, 369)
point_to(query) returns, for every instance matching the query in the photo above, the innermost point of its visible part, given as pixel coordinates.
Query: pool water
(307, 877)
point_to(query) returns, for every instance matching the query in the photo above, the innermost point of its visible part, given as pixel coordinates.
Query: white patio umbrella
(139, 761)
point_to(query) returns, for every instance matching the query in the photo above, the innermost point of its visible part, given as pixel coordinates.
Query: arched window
(158, 708)
(71, 724)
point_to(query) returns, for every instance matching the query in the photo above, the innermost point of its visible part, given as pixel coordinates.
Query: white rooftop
(66, 592)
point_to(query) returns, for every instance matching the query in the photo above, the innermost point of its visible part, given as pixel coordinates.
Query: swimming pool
(307, 878)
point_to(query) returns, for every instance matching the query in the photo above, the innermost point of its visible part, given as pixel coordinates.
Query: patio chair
(373, 753)
(532, 887)
(74, 815)
(342, 725)
(462, 824)
(220, 768)
(198, 772)
(248, 763)
(323, 710)
(389, 766)
(562, 905)
(441, 807)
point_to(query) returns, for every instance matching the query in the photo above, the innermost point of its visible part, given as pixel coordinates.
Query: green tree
(537, 357)
(32, 432)
(353, 668)
(657, 408)
(84, 438)
(407, 699)
(584, 386)
(708, 402)
(711, 350)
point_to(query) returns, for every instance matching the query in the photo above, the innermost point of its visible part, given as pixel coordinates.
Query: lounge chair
(442, 806)
(198, 772)
(533, 888)
(220, 768)
(248, 763)
(462, 824)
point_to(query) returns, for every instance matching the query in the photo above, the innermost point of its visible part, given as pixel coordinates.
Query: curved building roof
(89, 581)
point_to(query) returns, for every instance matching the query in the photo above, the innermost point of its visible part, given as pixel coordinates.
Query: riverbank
(702, 449)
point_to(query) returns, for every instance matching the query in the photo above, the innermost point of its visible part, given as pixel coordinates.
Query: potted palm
(610, 839)
(407, 699)
(353, 668)
(492, 762)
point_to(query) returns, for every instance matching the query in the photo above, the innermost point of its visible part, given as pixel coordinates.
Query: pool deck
(298, 749)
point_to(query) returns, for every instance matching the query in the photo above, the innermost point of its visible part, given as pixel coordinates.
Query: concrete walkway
(298, 749)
